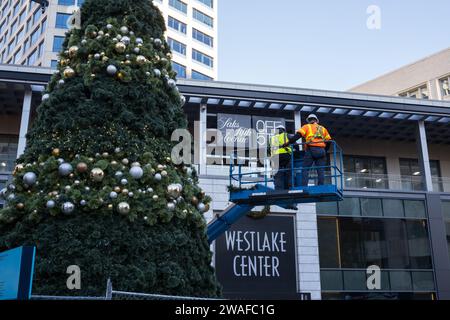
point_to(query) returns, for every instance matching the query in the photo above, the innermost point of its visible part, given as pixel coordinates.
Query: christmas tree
(96, 186)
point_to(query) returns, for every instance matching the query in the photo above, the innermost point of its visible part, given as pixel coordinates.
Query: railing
(241, 178)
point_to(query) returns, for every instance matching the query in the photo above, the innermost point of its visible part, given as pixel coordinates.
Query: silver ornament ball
(51, 204)
(136, 172)
(65, 169)
(67, 207)
(111, 70)
(30, 178)
(113, 195)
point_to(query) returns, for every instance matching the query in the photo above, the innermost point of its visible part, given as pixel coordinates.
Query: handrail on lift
(335, 168)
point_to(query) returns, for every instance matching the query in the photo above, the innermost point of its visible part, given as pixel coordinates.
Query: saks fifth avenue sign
(247, 131)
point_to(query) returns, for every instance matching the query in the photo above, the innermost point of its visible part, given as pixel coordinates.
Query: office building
(31, 37)
(428, 78)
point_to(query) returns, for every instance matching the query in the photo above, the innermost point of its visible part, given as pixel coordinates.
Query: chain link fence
(121, 295)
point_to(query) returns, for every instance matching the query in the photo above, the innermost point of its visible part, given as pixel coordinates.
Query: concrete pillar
(424, 158)
(202, 137)
(308, 251)
(24, 122)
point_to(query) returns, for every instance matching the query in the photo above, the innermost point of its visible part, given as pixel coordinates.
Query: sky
(325, 44)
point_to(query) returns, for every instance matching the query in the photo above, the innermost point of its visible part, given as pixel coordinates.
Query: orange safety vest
(315, 135)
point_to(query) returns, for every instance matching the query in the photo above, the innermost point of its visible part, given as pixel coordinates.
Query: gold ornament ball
(194, 200)
(125, 191)
(155, 197)
(141, 60)
(105, 154)
(73, 51)
(125, 161)
(56, 152)
(117, 189)
(160, 167)
(82, 167)
(110, 206)
(127, 62)
(123, 208)
(120, 75)
(207, 207)
(120, 47)
(20, 206)
(64, 62)
(164, 173)
(97, 174)
(68, 72)
(105, 59)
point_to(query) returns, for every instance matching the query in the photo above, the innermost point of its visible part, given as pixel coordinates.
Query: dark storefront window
(362, 242)
(365, 172)
(446, 213)
(8, 154)
(374, 207)
(411, 174)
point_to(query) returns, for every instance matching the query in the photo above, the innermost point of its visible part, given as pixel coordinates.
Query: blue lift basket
(252, 189)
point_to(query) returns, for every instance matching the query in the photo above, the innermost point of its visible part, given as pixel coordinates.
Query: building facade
(396, 209)
(428, 78)
(31, 37)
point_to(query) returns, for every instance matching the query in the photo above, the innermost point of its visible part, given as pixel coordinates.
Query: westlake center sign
(256, 259)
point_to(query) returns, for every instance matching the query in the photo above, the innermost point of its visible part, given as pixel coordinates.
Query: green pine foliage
(96, 186)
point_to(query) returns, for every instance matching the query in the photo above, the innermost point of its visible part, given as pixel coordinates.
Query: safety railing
(241, 178)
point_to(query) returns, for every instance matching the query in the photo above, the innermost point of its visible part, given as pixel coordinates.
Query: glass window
(355, 280)
(208, 3)
(415, 209)
(32, 58)
(327, 208)
(203, 18)
(200, 76)
(177, 25)
(179, 69)
(34, 36)
(328, 243)
(54, 64)
(445, 86)
(349, 207)
(202, 37)
(8, 154)
(331, 280)
(365, 172)
(57, 43)
(393, 208)
(179, 5)
(423, 281)
(202, 58)
(412, 175)
(371, 207)
(419, 245)
(61, 20)
(177, 46)
(400, 280)
(37, 14)
(66, 2)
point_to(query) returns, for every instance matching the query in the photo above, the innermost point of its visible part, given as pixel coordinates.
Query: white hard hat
(312, 116)
(281, 127)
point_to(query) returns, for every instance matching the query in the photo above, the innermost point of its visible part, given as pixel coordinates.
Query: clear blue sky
(325, 44)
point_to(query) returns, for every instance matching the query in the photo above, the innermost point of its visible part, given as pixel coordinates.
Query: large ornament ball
(158, 177)
(97, 174)
(45, 97)
(67, 207)
(73, 51)
(82, 167)
(68, 72)
(172, 83)
(125, 40)
(174, 190)
(157, 72)
(123, 208)
(157, 42)
(141, 60)
(50, 204)
(124, 30)
(120, 47)
(113, 195)
(171, 206)
(30, 178)
(201, 207)
(65, 169)
(136, 172)
(111, 70)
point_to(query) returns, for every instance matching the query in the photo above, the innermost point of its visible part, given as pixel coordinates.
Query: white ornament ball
(139, 41)
(124, 182)
(157, 72)
(124, 30)
(123, 208)
(171, 83)
(30, 178)
(111, 70)
(157, 42)
(67, 207)
(136, 172)
(45, 97)
(158, 177)
(171, 206)
(201, 207)
(125, 40)
(113, 195)
(51, 204)
(109, 26)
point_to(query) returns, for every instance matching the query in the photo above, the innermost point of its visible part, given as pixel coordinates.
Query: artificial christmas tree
(96, 186)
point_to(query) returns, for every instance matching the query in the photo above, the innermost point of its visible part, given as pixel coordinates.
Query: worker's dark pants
(282, 178)
(314, 156)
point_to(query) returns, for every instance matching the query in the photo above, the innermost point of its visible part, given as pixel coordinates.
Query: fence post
(108, 290)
